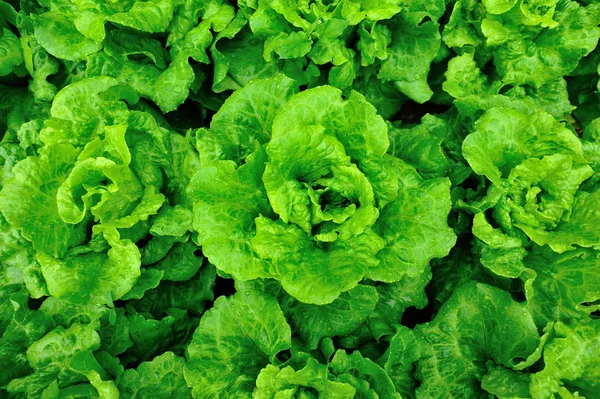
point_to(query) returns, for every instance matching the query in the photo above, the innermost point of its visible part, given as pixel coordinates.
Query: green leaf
(591, 152)
(149, 279)
(84, 276)
(115, 336)
(459, 32)
(79, 122)
(499, 6)
(406, 348)
(382, 95)
(307, 155)
(172, 85)
(504, 138)
(542, 192)
(528, 55)
(570, 362)
(366, 376)
(501, 253)
(246, 117)
(273, 382)
(414, 226)
(160, 378)
(464, 78)
(410, 58)
(562, 287)
(20, 328)
(152, 337)
(339, 318)
(553, 97)
(296, 45)
(181, 263)
(122, 44)
(579, 229)
(311, 273)
(479, 322)
(146, 16)
(356, 10)
(172, 221)
(11, 54)
(18, 258)
(119, 194)
(506, 383)
(239, 59)
(394, 299)
(228, 199)
(57, 33)
(40, 66)
(416, 11)
(373, 43)
(61, 352)
(28, 199)
(147, 80)
(236, 339)
(421, 146)
(192, 295)
(353, 122)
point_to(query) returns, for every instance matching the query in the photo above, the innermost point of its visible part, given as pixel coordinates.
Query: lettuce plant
(324, 204)
(277, 199)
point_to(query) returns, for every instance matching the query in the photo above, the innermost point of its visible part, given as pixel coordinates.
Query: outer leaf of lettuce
(238, 57)
(57, 33)
(152, 337)
(237, 338)
(309, 272)
(411, 55)
(150, 16)
(366, 376)
(406, 348)
(502, 254)
(506, 383)
(563, 287)
(62, 355)
(339, 318)
(192, 295)
(18, 259)
(464, 78)
(37, 179)
(11, 52)
(421, 209)
(20, 327)
(421, 146)
(458, 32)
(504, 138)
(160, 378)
(84, 276)
(570, 359)
(224, 221)
(478, 323)
(78, 122)
(245, 118)
(394, 299)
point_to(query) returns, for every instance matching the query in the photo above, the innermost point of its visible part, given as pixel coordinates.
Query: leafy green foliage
(299, 199)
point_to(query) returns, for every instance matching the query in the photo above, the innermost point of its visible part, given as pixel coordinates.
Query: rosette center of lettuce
(542, 191)
(312, 182)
